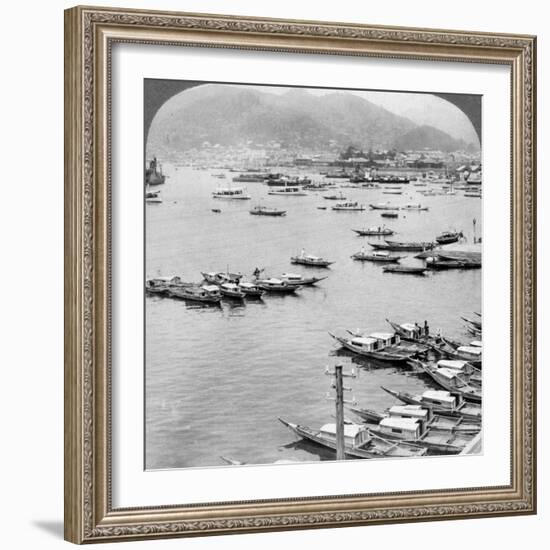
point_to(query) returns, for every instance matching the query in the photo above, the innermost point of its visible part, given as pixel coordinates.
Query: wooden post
(339, 387)
(475, 240)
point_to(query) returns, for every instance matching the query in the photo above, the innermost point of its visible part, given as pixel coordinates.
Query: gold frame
(89, 34)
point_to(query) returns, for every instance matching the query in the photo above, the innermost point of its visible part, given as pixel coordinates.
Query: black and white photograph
(313, 274)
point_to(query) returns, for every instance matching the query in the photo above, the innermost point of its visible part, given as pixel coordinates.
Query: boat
(451, 380)
(359, 441)
(287, 191)
(299, 280)
(249, 178)
(389, 214)
(473, 194)
(340, 174)
(339, 197)
(153, 173)
(392, 192)
(442, 402)
(413, 332)
(251, 290)
(472, 354)
(220, 176)
(375, 348)
(161, 285)
(405, 269)
(420, 426)
(448, 237)
(417, 207)
(231, 290)
(275, 285)
(440, 263)
(266, 211)
(216, 210)
(415, 246)
(377, 256)
(473, 322)
(321, 208)
(390, 179)
(196, 293)
(374, 231)
(383, 206)
(310, 260)
(153, 197)
(231, 193)
(220, 277)
(348, 206)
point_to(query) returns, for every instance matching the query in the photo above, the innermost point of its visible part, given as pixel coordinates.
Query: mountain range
(234, 115)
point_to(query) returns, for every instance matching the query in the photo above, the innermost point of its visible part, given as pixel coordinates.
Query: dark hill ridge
(234, 115)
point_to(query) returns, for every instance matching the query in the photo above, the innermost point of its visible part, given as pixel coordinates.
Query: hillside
(234, 115)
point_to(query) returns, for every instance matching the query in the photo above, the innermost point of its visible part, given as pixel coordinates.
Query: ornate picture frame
(89, 36)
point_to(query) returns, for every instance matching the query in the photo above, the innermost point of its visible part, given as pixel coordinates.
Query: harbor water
(217, 378)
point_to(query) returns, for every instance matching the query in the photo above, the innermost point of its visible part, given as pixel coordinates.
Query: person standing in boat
(256, 272)
(302, 253)
(426, 328)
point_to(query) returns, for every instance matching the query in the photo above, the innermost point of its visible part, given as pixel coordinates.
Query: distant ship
(153, 173)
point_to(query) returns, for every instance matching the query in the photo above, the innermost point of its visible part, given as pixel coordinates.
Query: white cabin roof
(350, 430)
(210, 288)
(230, 286)
(398, 422)
(273, 281)
(291, 276)
(440, 395)
(470, 349)
(247, 285)
(454, 365)
(166, 279)
(381, 253)
(408, 326)
(363, 341)
(476, 344)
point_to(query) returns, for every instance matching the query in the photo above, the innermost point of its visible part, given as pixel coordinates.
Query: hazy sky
(419, 107)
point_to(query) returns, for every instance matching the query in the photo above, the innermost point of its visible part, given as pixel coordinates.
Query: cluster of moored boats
(223, 284)
(443, 420)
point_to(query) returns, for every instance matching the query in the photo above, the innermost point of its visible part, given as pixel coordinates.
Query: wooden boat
(235, 193)
(287, 191)
(153, 197)
(339, 197)
(383, 206)
(251, 290)
(216, 210)
(473, 322)
(448, 237)
(161, 285)
(231, 290)
(374, 231)
(416, 207)
(392, 192)
(220, 277)
(413, 332)
(389, 215)
(299, 280)
(275, 285)
(310, 260)
(321, 208)
(403, 246)
(377, 256)
(196, 293)
(359, 441)
(451, 381)
(153, 173)
(348, 207)
(405, 269)
(265, 211)
(417, 425)
(249, 178)
(472, 354)
(477, 195)
(439, 264)
(442, 402)
(375, 348)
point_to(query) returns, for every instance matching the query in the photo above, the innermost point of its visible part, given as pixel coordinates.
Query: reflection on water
(218, 377)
